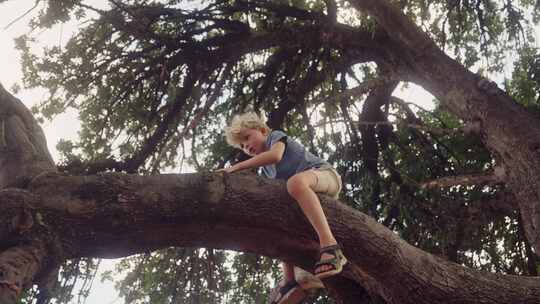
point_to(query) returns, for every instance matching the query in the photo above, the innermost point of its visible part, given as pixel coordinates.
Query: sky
(67, 125)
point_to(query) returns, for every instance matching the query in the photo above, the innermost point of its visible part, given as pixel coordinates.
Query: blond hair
(240, 122)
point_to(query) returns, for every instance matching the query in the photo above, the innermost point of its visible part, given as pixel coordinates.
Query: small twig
(101, 12)
(361, 89)
(23, 15)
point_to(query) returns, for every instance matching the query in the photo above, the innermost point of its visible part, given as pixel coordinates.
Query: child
(283, 158)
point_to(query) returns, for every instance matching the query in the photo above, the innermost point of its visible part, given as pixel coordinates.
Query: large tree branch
(397, 25)
(371, 111)
(19, 266)
(23, 148)
(113, 215)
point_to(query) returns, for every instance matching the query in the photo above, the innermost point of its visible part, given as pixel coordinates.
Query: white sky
(66, 126)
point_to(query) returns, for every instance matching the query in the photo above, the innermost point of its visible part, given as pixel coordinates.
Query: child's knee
(290, 186)
(296, 185)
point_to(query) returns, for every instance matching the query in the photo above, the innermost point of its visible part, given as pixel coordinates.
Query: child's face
(253, 141)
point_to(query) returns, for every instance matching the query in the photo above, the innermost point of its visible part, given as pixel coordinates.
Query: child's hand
(227, 170)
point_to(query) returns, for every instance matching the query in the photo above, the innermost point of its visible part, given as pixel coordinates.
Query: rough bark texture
(23, 148)
(114, 215)
(372, 112)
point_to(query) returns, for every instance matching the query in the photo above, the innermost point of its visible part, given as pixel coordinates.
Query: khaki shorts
(328, 181)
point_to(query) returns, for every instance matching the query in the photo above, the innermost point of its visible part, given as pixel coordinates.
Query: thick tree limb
(397, 25)
(23, 148)
(113, 215)
(371, 111)
(18, 267)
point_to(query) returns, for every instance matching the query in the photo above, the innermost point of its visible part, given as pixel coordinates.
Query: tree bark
(23, 148)
(115, 215)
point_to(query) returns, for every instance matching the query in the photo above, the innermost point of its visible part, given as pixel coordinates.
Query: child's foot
(287, 293)
(331, 261)
(307, 281)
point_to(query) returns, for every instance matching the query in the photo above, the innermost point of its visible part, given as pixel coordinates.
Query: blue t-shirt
(296, 158)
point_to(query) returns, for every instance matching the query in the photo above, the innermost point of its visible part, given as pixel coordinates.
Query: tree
(146, 76)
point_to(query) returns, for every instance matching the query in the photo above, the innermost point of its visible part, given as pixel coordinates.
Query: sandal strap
(330, 262)
(335, 262)
(288, 286)
(330, 249)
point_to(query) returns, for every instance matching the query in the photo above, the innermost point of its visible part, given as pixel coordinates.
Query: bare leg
(288, 271)
(299, 187)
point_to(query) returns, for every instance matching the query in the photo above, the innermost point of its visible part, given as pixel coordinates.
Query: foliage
(175, 275)
(524, 85)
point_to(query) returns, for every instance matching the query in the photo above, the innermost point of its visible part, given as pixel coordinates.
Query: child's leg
(288, 271)
(299, 187)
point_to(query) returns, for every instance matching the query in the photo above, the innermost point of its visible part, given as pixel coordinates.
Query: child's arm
(272, 156)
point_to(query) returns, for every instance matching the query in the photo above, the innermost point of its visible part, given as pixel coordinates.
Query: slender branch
(357, 91)
(91, 8)
(209, 101)
(23, 15)
(465, 180)
(398, 123)
(162, 130)
(331, 8)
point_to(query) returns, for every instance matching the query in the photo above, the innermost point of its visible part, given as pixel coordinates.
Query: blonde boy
(283, 158)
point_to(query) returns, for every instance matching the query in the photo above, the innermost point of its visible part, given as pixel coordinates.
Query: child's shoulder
(278, 131)
(277, 135)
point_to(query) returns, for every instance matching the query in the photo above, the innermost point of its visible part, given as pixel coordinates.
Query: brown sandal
(337, 262)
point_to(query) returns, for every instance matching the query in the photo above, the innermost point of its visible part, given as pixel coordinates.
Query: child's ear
(264, 131)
